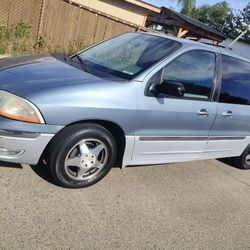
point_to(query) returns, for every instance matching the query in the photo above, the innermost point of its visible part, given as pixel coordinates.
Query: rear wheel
(81, 155)
(243, 161)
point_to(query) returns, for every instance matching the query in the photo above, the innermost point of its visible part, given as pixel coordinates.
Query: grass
(17, 40)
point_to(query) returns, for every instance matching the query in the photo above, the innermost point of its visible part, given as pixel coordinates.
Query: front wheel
(81, 155)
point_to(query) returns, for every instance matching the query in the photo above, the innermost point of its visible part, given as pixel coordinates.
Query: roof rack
(216, 45)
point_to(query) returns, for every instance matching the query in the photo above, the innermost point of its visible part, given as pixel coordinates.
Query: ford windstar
(136, 99)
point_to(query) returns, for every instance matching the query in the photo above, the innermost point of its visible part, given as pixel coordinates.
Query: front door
(172, 129)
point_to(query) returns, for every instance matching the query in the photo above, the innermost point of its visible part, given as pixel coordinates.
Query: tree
(246, 14)
(218, 16)
(188, 6)
(222, 18)
(243, 21)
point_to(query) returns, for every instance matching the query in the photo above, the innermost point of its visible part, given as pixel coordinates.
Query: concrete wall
(121, 9)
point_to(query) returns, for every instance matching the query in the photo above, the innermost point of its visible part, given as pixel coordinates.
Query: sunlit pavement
(195, 205)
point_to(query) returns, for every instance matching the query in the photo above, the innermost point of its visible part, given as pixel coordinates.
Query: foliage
(242, 21)
(75, 46)
(17, 39)
(246, 14)
(219, 16)
(188, 6)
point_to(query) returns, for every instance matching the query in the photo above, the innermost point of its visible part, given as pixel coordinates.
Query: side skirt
(147, 150)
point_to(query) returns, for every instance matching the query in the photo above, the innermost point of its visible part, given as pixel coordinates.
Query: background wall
(121, 9)
(61, 23)
(239, 47)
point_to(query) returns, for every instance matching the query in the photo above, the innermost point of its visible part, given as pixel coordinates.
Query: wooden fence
(62, 22)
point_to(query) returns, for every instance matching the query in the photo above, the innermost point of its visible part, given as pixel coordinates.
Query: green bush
(17, 40)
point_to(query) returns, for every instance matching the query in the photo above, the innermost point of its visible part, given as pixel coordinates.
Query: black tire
(65, 140)
(241, 161)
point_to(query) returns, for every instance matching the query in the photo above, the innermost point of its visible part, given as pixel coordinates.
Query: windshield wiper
(84, 65)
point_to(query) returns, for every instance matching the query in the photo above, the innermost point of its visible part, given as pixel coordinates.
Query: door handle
(203, 112)
(227, 114)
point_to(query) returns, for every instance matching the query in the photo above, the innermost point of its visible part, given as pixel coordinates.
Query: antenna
(239, 37)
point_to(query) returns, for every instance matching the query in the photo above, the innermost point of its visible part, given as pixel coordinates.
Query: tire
(243, 161)
(81, 155)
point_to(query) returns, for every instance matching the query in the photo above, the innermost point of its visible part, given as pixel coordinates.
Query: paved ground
(3, 56)
(196, 205)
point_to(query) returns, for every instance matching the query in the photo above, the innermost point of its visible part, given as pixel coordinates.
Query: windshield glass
(127, 55)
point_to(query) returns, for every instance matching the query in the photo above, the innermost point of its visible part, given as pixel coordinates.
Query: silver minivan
(136, 99)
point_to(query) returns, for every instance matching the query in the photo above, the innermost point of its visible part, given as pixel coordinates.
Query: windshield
(127, 55)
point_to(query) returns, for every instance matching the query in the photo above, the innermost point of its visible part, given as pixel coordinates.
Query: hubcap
(248, 159)
(86, 159)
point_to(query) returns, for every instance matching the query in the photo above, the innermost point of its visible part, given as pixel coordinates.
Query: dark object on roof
(186, 26)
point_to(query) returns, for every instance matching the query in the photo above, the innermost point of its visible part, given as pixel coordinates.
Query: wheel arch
(113, 128)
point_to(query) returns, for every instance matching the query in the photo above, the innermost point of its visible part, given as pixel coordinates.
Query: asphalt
(195, 205)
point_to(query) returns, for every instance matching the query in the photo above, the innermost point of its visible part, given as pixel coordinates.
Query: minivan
(136, 99)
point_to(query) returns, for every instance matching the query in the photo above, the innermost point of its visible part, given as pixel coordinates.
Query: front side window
(235, 87)
(128, 55)
(195, 70)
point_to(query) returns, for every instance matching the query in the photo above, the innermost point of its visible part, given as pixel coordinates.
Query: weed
(17, 40)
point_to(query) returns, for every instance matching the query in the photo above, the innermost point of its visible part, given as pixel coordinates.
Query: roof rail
(220, 46)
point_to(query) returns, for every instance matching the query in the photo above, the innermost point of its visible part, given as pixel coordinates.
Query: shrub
(17, 40)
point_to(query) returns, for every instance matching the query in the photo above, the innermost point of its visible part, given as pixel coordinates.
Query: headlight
(17, 108)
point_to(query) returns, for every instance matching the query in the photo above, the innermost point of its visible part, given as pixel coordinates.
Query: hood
(27, 75)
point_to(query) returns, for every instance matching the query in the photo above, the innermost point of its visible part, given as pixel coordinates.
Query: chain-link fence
(61, 22)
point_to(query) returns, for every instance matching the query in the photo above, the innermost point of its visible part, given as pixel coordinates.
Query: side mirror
(171, 88)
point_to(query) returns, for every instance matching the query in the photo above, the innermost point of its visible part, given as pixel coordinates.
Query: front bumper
(22, 142)
(22, 147)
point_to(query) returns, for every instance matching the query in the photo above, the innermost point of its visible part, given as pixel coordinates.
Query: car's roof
(199, 45)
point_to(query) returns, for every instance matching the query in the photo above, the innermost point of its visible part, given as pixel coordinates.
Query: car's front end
(80, 109)
(23, 132)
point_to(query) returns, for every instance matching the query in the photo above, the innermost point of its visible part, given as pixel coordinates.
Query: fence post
(41, 22)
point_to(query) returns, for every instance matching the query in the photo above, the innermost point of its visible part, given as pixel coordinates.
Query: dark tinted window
(235, 81)
(195, 70)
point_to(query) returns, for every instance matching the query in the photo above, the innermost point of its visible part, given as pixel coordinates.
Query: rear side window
(235, 87)
(195, 70)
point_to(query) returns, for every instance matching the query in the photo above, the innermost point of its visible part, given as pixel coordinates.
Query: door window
(195, 70)
(235, 87)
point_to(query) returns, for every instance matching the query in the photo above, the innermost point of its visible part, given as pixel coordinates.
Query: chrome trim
(172, 152)
(191, 138)
(221, 138)
(171, 138)
(18, 134)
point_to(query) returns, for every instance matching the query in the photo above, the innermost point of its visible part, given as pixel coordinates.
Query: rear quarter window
(235, 86)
